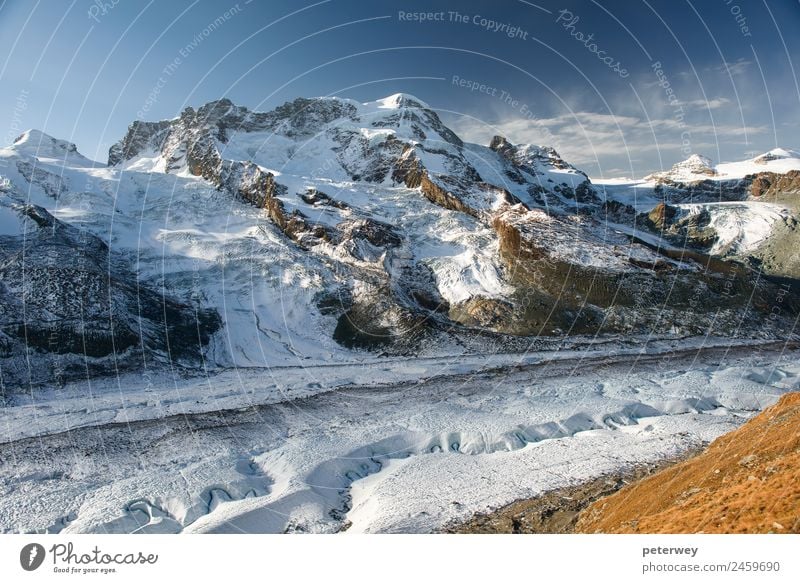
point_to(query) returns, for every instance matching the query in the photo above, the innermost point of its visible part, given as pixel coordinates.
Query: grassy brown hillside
(747, 481)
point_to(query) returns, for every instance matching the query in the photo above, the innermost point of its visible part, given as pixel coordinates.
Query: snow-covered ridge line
(698, 168)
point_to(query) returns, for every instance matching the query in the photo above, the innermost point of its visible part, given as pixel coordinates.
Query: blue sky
(618, 87)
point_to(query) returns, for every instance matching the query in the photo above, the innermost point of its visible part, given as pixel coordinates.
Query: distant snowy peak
(696, 164)
(40, 141)
(694, 168)
(41, 145)
(698, 168)
(776, 154)
(397, 101)
(778, 160)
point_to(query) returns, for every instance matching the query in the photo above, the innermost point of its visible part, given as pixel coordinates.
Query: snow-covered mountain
(698, 168)
(326, 228)
(745, 210)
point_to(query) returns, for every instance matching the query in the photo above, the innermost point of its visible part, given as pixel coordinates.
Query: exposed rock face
(530, 159)
(675, 191)
(679, 227)
(374, 232)
(772, 186)
(490, 313)
(141, 136)
(779, 256)
(295, 224)
(662, 216)
(65, 297)
(411, 173)
(53, 184)
(251, 182)
(316, 197)
(558, 289)
(534, 167)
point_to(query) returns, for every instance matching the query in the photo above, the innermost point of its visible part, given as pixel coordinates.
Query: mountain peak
(398, 101)
(37, 139)
(695, 168)
(41, 145)
(776, 154)
(695, 161)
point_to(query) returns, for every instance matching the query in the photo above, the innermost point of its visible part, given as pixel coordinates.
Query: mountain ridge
(326, 227)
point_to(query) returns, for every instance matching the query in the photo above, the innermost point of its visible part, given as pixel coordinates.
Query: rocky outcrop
(575, 288)
(534, 167)
(52, 184)
(676, 191)
(529, 158)
(681, 228)
(773, 186)
(662, 216)
(409, 171)
(492, 313)
(374, 232)
(316, 197)
(247, 180)
(141, 137)
(296, 225)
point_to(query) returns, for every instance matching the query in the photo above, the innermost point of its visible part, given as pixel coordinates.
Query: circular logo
(31, 556)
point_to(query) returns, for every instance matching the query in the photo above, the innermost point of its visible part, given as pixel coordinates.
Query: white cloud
(596, 141)
(733, 68)
(715, 103)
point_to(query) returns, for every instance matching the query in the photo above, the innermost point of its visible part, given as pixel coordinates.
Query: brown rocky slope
(747, 481)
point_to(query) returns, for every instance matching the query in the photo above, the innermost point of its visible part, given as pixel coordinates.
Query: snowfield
(741, 227)
(407, 456)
